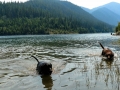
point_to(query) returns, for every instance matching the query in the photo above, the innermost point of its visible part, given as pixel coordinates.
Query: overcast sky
(85, 3)
(92, 3)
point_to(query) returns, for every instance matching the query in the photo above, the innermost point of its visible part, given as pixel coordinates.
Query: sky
(85, 3)
(92, 3)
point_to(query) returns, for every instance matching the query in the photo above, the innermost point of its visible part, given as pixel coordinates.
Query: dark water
(76, 60)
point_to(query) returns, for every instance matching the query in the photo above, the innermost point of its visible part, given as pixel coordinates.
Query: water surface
(76, 60)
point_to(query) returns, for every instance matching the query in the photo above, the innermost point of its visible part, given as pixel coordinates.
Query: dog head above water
(43, 68)
(106, 52)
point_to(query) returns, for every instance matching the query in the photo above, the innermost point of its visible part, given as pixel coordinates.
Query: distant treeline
(38, 17)
(118, 29)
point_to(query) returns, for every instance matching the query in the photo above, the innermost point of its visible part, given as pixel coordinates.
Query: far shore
(115, 34)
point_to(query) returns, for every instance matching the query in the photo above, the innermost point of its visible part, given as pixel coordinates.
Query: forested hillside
(47, 17)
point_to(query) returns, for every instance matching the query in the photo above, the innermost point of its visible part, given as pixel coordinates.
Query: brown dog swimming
(106, 52)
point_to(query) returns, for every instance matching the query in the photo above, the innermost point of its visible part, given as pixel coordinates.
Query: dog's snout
(108, 57)
(50, 69)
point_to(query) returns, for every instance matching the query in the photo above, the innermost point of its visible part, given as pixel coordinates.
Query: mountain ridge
(110, 18)
(111, 14)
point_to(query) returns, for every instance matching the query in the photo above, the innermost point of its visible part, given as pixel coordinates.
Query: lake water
(76, 60)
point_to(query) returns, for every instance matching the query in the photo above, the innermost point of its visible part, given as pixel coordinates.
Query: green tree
(118, 28)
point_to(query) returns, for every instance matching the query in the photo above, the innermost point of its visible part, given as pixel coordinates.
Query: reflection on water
(108, 62)
(47, 82)
(75, 58)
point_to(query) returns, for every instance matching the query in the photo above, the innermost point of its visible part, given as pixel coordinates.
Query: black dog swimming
(43, 68)
(106, 52)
